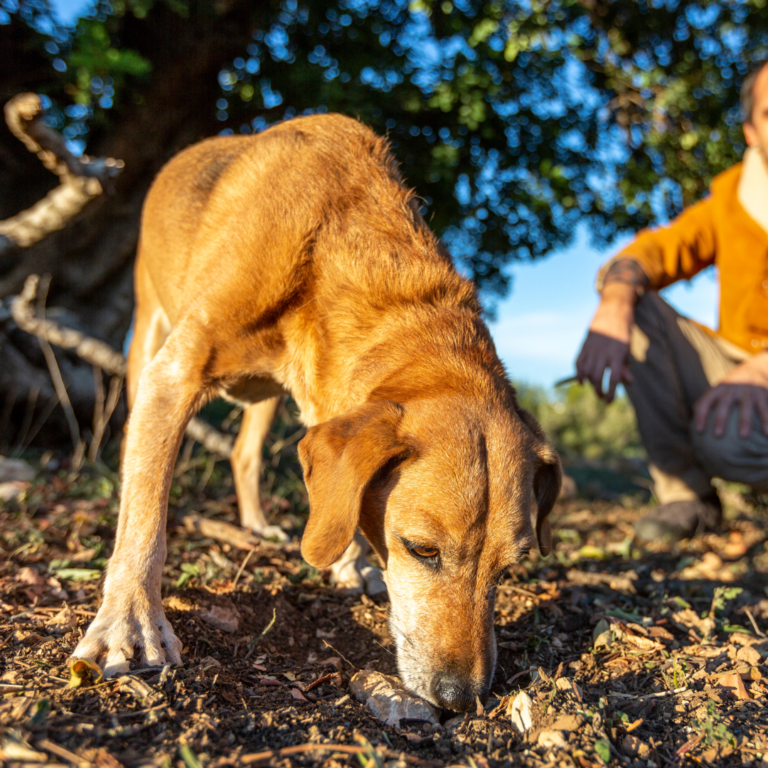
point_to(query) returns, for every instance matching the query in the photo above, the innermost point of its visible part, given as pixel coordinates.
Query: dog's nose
(452, 693)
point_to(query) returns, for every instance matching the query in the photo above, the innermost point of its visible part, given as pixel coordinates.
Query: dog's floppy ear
(340, 458)
(547, 480)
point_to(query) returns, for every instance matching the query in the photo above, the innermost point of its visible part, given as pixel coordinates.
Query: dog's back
(258, 210)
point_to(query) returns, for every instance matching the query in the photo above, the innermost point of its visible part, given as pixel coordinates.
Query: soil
(631, 655)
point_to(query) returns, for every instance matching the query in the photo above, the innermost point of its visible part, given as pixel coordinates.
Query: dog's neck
(440, 337)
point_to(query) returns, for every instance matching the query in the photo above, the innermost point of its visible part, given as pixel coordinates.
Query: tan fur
(297, 261)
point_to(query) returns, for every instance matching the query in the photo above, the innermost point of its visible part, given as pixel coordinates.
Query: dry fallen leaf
(689, 619)
(734, 685)
(30, 577)
(297, 694)
(64, 621)
(83, 673)
(661, 633)
(14, 746)
(749, 655)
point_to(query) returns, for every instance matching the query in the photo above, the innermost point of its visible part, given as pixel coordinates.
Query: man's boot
(680, 519)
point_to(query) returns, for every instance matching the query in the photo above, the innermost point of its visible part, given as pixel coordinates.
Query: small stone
(521, 712)
(634, 747)
(388, 699)
(569, 723)
(552, 740)
(15, 470)
(454, 723)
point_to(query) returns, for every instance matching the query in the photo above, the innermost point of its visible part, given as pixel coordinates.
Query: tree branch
(82, 178)
(102, 355)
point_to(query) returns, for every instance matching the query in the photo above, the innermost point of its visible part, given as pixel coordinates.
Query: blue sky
(69, 10)
(541, 324)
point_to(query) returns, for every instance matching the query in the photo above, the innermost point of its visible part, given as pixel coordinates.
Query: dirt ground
(633, 656)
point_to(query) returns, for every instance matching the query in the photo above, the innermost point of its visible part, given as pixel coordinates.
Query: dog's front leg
(131, 623)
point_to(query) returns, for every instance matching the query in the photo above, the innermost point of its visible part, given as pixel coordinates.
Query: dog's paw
(374, 581)
(257, 525)
(122, 633)
(347, 578)
(274, 532)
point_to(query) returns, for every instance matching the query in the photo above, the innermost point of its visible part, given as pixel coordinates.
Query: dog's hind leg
(246, 466)
(353, 572)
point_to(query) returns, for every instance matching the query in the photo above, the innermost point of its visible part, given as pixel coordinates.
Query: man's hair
(748, 91)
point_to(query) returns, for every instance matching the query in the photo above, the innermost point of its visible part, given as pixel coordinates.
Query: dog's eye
(429, 556)
(425, 552)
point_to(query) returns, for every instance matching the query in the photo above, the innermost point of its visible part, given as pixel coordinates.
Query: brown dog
(297, 261)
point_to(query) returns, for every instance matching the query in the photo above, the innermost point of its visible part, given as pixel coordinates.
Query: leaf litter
(609, 653)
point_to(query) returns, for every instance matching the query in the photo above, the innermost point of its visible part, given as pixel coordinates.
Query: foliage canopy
(514, 120)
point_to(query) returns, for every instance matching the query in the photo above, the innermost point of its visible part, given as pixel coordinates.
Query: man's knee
(733, 458)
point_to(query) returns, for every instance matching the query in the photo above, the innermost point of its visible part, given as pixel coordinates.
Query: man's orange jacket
(715, 231)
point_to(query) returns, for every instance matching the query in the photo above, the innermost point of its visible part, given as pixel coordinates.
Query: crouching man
(701, 396)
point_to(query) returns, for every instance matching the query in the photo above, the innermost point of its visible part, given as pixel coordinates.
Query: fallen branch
(226, 533)
(100, 354)
(89, 349)
(82, 178)
(659, 695)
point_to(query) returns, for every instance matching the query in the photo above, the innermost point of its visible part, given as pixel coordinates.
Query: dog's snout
(451, 692)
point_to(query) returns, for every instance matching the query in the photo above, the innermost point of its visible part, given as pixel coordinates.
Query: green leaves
(78, 574)
(189, 571)
(93, 55)
(514, 121)
(603, 750)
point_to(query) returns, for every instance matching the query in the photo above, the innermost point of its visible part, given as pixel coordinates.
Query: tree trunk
(90, 261)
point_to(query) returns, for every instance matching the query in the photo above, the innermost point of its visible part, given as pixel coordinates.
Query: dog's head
(442, 490)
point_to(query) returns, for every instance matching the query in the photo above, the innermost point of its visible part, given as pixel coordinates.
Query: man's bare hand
(607, 342)
(746, 386)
